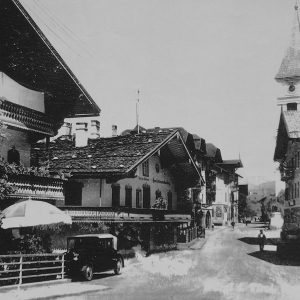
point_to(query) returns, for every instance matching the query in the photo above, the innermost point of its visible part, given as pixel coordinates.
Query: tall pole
(137, 111)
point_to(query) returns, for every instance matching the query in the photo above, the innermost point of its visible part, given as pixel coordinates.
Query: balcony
(124, 214)
(286, 173)
(26, 118)
(43, 188)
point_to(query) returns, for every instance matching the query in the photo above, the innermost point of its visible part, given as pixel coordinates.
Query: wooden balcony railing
(37, 187)
(26, 117)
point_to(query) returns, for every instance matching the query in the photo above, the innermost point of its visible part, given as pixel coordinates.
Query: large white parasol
(33, 213)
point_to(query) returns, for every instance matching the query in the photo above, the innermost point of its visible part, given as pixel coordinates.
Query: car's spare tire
(87, 272)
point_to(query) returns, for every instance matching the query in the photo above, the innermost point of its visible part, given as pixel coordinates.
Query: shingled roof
(237, 163)
(113, 156)
(28, 57)
(289, 128)
(214, 153)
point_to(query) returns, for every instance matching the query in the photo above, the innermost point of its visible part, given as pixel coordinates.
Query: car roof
(99, 235)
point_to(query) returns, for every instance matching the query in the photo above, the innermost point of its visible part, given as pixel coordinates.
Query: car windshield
(80, 242)
(89, 242)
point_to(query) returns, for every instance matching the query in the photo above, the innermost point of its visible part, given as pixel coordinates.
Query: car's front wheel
(118, 269)
(88, 272)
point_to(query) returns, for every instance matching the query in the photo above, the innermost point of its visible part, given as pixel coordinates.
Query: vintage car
(91, 253)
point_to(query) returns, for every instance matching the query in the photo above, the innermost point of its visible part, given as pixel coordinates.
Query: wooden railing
(29, 117)
(25, 268)
(37, 187)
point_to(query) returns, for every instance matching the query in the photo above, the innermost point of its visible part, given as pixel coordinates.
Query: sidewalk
(53, 289)
(48, 290)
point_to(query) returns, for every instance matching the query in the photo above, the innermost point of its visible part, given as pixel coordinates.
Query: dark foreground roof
(28, 57)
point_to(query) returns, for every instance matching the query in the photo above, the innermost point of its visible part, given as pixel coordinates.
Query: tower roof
(289, 71)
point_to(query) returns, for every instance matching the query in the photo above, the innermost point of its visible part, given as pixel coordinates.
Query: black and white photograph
(149, 149)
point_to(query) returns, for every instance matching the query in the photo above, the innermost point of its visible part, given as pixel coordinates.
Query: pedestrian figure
(232, 224)
(212, 226)
(261, 240)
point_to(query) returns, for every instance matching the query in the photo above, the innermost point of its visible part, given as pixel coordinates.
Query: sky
(206, 66)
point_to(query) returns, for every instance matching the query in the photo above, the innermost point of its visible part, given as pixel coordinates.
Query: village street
(229, 266)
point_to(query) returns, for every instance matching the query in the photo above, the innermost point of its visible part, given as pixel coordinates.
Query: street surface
(229, 266)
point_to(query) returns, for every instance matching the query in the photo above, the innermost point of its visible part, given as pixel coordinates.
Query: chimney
(66, 128)
(95, 129)
(81, 138)
(114, 130)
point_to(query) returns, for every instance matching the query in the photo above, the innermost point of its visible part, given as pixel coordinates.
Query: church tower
(289, 72)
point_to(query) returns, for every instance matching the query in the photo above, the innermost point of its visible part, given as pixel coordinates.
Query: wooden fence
(25, 268)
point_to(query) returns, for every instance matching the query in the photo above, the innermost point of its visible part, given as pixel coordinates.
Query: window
(298, 190)
(146, 196)
(291, 106)
(292, 192)
(128, 196)
(157, 194)
(138, 198)
(145, 166)
(115, 188)
(13, 156)
(170, 204)
(73, 193)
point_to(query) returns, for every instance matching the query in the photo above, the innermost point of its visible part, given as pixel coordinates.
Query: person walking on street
(232, 224)
(212, 226)
(261, 240)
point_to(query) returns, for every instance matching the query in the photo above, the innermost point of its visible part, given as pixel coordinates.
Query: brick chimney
(81, 138)
(114, 130)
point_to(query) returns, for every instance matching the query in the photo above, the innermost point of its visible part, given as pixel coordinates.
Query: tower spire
(289, 72)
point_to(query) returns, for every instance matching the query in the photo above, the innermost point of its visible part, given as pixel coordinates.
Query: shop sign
(161, 181)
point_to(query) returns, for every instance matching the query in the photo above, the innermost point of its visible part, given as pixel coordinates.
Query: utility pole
(137, 111)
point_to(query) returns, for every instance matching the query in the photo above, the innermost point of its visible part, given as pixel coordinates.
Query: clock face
(292, 88)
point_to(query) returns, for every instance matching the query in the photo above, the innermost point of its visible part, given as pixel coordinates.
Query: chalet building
(132, 179)
(287, 150)
(37, 92)
(197, 149)
(222, 186)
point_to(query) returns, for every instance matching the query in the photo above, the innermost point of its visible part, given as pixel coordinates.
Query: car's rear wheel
(88, 272)
(118, 269)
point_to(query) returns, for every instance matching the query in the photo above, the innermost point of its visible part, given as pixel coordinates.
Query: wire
(51, 16)
(59, 39)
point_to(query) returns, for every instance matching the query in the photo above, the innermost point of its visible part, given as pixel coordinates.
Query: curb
(33, 284)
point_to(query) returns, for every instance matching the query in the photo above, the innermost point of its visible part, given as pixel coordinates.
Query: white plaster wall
(16, 93)
(138, 181)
